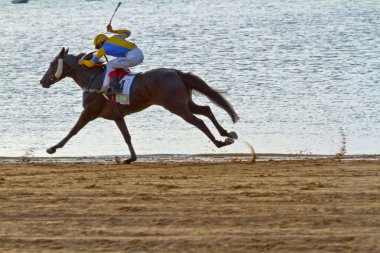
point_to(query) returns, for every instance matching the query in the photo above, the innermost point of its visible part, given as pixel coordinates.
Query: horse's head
(58, 70)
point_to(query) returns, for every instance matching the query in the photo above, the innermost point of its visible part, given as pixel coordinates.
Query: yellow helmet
(99, 39)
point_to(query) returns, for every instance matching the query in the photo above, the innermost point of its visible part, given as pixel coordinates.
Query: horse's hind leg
(206, 111)
(185, 113)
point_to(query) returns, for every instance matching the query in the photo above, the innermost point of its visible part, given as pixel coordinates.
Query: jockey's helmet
(99, 39)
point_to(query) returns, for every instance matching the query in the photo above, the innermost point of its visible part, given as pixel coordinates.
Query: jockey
(127, 53)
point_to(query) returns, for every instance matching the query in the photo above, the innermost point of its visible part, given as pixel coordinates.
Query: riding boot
(114, 86)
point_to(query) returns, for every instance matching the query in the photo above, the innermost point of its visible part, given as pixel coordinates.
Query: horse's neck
(80, 75)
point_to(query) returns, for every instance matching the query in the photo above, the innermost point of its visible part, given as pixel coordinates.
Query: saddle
(120, 73)
(115, 85)
(95, 87)
(119, 91)
(121, 87)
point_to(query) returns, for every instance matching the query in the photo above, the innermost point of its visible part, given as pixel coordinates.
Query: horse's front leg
(127, 137)
(88, 114)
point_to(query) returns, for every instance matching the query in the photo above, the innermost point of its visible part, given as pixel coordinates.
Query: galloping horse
(169, 88)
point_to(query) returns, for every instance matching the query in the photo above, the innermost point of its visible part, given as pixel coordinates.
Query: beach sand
(315, 205)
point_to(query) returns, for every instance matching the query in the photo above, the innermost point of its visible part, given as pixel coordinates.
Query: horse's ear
(62, 52)
(67, 51)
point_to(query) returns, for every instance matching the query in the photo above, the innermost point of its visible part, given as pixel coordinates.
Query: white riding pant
(131, 59)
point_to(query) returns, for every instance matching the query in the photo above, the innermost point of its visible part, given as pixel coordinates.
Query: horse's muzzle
(44, 84)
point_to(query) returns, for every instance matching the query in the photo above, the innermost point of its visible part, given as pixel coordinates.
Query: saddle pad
(126, 83)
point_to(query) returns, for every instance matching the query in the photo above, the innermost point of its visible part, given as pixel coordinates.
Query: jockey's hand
(109, 28)
(80, 63)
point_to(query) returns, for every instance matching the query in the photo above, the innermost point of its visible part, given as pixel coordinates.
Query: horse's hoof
(233, 135)
(128, 161)
(51, 150)
(229, 141)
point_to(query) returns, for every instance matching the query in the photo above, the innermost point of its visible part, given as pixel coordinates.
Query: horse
(169, 88)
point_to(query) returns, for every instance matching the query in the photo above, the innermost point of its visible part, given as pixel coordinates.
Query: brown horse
(169, 88)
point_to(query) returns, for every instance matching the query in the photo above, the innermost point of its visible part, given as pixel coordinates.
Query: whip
(117, 7)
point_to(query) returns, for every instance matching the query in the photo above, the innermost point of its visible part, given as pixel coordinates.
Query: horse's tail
(194, 82)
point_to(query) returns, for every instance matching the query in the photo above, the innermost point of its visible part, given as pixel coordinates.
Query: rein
(87, 88)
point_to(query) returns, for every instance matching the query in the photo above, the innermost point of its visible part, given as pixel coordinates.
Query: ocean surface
(303, 75)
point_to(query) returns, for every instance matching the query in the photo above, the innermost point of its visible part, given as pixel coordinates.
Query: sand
(312, 205)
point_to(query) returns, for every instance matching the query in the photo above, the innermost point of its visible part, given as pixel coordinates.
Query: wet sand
(315, 205)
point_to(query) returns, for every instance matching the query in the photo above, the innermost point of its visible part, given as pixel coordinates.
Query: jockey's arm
(95, 58)
(123, 33)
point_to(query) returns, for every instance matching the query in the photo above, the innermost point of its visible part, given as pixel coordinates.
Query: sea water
(302, 75)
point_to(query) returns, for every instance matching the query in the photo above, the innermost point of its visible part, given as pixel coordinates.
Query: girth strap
(87, 90)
